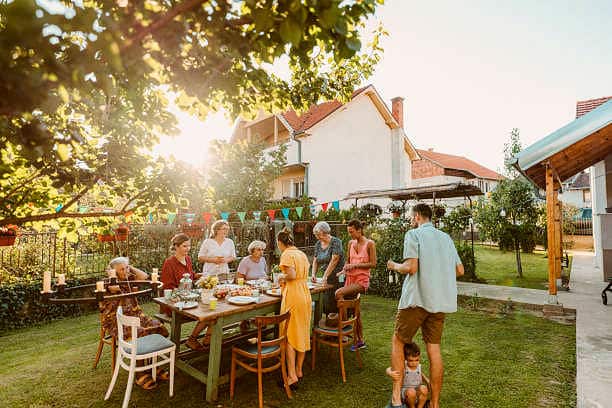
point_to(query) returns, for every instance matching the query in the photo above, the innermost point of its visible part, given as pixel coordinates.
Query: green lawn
(491, 361)
(499, 268)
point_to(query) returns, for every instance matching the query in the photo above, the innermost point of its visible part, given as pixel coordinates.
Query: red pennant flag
(206, 217)
(271, 214)
(324, 205)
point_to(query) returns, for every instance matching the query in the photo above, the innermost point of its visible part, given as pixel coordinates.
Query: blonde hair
(217, 225)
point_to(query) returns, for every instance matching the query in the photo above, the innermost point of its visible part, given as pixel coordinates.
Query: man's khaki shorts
(408, 321)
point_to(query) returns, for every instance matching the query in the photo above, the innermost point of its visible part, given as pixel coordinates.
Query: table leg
(175, 330)
(214, 362)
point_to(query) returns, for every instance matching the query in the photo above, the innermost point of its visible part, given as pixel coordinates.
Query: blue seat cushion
(333, 331)
(252, 348)
(151, 343)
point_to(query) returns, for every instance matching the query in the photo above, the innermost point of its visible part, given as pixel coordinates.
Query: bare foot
(300, 374)
(292, 380)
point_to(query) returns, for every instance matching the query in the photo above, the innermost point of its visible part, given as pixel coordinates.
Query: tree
(85, 88)
(241, 174)
(511, 149)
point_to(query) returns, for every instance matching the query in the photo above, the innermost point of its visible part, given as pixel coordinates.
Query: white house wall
(599, 201)
(347, 152)
(574, 197)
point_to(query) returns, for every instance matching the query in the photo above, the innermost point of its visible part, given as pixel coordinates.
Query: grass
(499, 268)
(490, 361)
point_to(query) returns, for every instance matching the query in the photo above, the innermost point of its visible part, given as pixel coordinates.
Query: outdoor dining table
(224, 315)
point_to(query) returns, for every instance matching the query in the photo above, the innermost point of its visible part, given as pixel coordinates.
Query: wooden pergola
(557, 157)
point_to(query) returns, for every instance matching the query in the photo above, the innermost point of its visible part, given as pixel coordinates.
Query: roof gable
(449, 161)
(584, 107)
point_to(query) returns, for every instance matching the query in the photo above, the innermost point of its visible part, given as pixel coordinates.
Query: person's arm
(410, 266)
(395, 375)
(203, 253)
(288, 271)
(232, 256)
(459, 270)
(335, 258)
(241, 271)
(138, 274)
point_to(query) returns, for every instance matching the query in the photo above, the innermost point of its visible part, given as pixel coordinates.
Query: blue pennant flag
(336, 205)
(257, 215)
(285, 212)
(225, 215)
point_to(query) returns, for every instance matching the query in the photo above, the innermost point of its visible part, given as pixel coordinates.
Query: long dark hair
(285, 237)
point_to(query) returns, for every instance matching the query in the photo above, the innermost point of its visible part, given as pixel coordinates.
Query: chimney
(397, 109)
(430, 149)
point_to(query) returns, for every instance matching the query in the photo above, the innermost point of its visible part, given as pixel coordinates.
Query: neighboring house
(577, 190)
(336, 148)
(440, 168)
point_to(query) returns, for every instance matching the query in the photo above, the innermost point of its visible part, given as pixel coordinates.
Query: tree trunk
(517, 249)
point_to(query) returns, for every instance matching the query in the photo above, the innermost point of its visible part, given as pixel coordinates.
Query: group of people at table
(330, 265)
(429, 292)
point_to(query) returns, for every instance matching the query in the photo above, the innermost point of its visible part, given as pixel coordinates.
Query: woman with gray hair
(253, 266)
(125, 271)
(328, 261)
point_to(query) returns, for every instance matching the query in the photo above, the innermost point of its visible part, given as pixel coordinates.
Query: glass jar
(186, 284)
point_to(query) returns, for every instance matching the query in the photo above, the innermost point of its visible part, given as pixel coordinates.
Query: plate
(241, 300)
(311, 285)
(186, 305)
(274, 292)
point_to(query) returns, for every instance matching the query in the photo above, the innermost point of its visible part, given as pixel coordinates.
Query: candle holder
(60, 296)
(45, 297)
(61, 288)
(100, 295)
(113, 280)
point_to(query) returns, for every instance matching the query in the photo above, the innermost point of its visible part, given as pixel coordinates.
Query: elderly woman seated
(254, 266)
(108, 309)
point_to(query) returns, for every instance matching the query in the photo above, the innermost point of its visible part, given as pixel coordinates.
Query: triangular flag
(128, 215)
(59, 208)
(150, 218)
(257, 215)
(241, 215)
(271, 214)
(336, 205)
(324, 206)
(299, 210)
(225, 215)
(171, 217)
(206, 217)
(313, 210)
(285, 212)
(189, 217)
(83, 209)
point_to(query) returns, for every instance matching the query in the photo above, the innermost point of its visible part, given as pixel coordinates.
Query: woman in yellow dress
(296, 299)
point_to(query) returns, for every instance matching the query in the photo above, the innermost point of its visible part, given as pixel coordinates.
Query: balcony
(292, 155)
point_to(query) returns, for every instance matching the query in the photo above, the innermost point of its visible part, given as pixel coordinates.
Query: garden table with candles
(225, 314)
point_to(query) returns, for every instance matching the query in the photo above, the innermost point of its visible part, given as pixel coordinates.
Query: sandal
(146, 382)
(194, 344)
(163, 374)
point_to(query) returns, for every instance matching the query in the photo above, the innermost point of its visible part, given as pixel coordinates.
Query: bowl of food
(220, 293)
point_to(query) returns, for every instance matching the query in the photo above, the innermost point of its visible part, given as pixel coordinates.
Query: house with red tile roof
(577, 190)
(336, 148)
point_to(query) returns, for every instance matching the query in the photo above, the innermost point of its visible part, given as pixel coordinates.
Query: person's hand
(314, 279)
(395, 375)
(348, 267)
(282, 279)
(324, 280)
(390, 265)
(220, 260)
(342, 272)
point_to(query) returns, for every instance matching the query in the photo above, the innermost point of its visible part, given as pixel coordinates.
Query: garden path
(593, 325)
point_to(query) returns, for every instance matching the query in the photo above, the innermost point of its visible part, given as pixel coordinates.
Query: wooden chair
(153, 350)
(106, 338)
(262, 350)
(342, 336)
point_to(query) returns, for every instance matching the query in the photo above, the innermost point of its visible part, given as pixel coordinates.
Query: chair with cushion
(262, 351)
(341, 336)
(154, 347)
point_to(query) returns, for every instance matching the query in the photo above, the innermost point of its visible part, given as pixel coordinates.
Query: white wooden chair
(155, 347)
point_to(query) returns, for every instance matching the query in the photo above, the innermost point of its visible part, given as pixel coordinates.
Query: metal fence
(146, 245)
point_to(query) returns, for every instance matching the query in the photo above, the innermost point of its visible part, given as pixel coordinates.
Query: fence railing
(147, 246)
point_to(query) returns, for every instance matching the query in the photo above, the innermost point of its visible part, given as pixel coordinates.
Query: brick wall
(425, 168)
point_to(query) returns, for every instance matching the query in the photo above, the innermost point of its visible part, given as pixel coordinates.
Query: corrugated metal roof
(564, 137)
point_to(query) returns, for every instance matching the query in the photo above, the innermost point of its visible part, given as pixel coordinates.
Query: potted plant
(121, 232)
(106, 235)
(396, 208)
(193, 230)
(8, 235)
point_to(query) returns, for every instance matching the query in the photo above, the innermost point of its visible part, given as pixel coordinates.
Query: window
(298, 188)
(586, 195)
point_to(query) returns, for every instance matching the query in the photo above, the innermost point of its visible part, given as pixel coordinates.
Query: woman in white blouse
(217, 251)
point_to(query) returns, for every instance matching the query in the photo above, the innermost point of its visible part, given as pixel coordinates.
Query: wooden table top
(202, 312)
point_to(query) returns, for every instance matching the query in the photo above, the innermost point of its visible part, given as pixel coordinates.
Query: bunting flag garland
(225, 215)
(271, 214)
(189, 217)
(257, 215)
(83, 209)
(150, 217)
(207, 216)
(285, 212)
(299, 210)
(324, 206)
(59, 208)
(336, 205)
(171, 217)
(241, 215)
(313, 210)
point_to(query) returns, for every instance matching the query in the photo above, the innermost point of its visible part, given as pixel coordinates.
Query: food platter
(241, 300)
(274, 292)
(186, 305)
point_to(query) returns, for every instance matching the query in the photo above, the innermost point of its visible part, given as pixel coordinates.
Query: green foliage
(468, 259)
(457, 221)
(369, 213)
(241, 174)
(85, 91)
(343, 216)
(511, 149)
(389, 237)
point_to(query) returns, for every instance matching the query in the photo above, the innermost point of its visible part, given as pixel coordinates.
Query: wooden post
(558, 236)
(275, 130)
(550, 233)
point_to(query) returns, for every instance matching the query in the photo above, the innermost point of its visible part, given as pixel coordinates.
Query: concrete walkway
(593, 325)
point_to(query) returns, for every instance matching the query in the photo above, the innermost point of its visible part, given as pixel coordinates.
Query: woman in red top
(361, 259)
(172, 272)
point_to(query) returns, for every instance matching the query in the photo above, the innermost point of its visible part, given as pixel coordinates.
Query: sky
(471, 71)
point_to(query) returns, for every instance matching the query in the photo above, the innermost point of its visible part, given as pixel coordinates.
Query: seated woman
(172, 272)
(148, 325)
(254, 266)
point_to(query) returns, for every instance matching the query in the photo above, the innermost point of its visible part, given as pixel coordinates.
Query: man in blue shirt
(429, 292)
